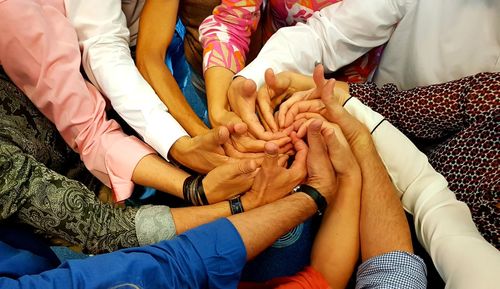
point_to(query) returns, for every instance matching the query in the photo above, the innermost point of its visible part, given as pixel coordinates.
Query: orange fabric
(306, 279)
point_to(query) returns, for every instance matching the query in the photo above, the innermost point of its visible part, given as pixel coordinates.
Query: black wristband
(315, 195)
(201, 191)
(186, 188)
(236, 205)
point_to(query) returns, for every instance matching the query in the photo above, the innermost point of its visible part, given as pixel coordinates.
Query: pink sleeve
(39, 51)
(225, 35)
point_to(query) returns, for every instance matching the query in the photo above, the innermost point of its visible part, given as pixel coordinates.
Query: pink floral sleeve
(225, 35)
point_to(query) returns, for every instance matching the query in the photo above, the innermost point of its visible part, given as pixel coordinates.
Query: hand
(321, 175)
(202, 153)
(342, 158)
(277, 88)
(274, 181)
(242, 95)
(312, 93)
(301, 109)
(229, 180)
(354, 131)
(288, 109)
(243, 145)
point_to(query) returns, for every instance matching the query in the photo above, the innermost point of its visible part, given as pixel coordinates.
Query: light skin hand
(321, 175)
(204, 152)
(312, 106)
(243, 145)
(242, 95)
(229, 180)
(277, 88)
(333, 112)
(311, 93)
(355, 132)
(274, 181)
(337, 242)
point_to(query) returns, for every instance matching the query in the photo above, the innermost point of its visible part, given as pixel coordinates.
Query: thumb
(271, 157)
(317, 147)
(247, 166)
(249, 88)
(217, 136)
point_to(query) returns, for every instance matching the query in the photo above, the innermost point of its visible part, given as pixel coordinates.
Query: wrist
(315, 195)
(248, 202)
(216, 115)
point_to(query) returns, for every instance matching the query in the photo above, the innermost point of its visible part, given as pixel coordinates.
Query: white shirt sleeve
(443, 225)
(104, 41)
(334, 36)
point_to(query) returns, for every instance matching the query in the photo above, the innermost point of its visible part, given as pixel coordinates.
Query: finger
(220, 135)
(271, 158)
(277, 84)
(337, 114)
(282, 141)
(314, 105)
(247, 144)
(264, 99)
(246, 108)
(299, 164)
(232, 152)
(247, 166)
(309, 115)
(317, 146)
(266, 112)
(237, 128)
(282, 160)
(288, 130)
(331, 105)
(319, 81)
(302, 131)
(339, 151)
(285, 148)
(285, 106)
(262, 120)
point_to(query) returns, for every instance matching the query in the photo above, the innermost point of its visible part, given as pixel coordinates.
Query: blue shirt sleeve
(211, 255)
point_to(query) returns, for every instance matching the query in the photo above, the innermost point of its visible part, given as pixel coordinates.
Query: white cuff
(363, 113)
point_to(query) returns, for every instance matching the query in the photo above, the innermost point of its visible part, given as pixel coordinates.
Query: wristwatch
(315, 195)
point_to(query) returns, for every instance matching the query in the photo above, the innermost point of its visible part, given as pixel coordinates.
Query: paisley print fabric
(33, 190)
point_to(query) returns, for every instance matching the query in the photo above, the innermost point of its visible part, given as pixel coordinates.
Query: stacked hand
(246, 155)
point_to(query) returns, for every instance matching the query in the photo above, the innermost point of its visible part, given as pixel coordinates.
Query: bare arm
(336, 247)
(261, 227)
(157, 26)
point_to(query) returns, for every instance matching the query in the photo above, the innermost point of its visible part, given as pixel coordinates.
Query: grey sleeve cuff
(154, 224)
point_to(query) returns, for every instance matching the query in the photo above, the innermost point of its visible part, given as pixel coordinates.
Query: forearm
(210, 256)
(383, 225)
(336, 246)
(191, 217)
(161, 79)
(259, 228)
(217, 81)
(443, 225)
(157, 26)
(153, 171)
